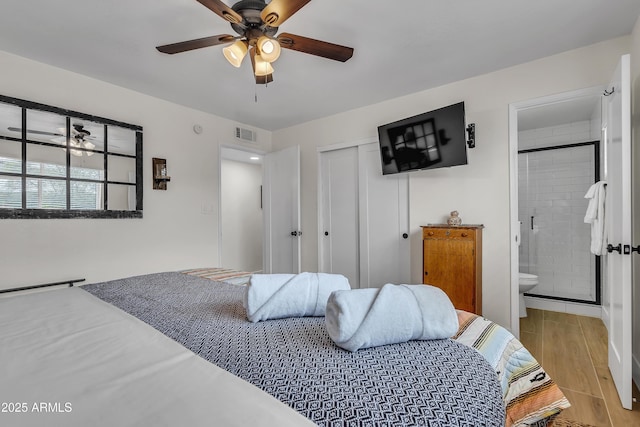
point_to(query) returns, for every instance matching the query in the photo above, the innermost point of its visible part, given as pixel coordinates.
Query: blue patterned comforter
(427, 383)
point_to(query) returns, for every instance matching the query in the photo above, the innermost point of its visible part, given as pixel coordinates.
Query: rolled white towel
(362, 318)
(275, 296)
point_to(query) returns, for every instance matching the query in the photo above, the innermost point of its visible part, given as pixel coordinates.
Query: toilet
(526, 282)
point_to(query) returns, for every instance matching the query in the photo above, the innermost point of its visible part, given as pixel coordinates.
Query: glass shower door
(555, 240)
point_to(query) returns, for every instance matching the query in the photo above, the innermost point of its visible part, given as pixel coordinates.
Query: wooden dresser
(452, 261)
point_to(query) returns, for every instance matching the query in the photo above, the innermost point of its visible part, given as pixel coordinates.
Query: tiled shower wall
(552, 185)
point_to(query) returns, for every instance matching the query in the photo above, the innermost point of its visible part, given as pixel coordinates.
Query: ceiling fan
(257, 24)
(79, 137)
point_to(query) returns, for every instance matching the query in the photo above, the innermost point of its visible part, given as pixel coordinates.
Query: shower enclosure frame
(598, 259)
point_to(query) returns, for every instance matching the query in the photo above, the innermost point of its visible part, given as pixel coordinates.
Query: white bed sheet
(68, 358)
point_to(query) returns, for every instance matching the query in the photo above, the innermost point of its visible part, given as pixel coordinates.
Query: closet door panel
(339, 214)
(384, 222)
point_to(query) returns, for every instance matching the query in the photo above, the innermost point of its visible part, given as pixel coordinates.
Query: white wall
(180, 226)
(241, 212)
(568, 133)
(480, 190)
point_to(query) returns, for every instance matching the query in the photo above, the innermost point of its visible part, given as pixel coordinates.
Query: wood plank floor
(573, 350)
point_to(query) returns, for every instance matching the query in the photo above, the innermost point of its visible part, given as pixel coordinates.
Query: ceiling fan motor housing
(252, 26)
(79, 128)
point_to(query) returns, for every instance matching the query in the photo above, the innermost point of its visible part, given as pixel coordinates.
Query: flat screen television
(436, 139)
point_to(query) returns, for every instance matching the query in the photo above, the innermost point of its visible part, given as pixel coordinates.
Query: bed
(482, 377)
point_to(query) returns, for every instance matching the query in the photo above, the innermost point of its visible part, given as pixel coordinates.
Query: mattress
(435, 383)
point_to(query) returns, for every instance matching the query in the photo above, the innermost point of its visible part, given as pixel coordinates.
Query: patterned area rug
(218, 274)
(562, 422)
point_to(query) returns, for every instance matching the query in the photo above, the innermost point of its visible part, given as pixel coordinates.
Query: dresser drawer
(448, 233)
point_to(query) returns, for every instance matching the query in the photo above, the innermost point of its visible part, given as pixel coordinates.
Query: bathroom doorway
(542, 132)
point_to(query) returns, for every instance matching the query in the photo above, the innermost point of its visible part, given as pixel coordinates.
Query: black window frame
(30, 213)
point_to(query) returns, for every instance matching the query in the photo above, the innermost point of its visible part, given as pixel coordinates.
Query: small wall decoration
(454, 219)
(160, 176)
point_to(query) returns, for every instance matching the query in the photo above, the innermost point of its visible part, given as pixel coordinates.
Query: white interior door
(384, 222)
(364, 218)
(339, 216)
(617, 295)
(281, 196)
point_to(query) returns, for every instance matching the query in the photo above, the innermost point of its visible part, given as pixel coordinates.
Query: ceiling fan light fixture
(235, 53)
(262, 67)
(268, 48)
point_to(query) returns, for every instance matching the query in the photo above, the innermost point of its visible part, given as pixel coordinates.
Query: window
(56, 163)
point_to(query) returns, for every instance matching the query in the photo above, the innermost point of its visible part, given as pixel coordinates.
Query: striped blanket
(529, 394)
(218, 274)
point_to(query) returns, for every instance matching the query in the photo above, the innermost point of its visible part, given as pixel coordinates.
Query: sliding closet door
(339, 214)
(363, 218)
(384, 222)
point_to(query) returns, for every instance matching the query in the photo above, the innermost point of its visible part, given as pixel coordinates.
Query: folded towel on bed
(362, 318)
(275, 296)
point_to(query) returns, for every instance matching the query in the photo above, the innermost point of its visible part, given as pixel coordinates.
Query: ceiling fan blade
(222, 10)
(36, 132)
(278, 11)
(315, 47)
(195, 44)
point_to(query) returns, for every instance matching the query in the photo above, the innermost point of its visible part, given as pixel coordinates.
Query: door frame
(514, 229)
(221, 148)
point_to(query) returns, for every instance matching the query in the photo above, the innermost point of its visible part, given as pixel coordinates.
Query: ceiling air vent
(245, 134)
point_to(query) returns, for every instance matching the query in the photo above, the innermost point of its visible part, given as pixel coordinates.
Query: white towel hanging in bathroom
(595, 216)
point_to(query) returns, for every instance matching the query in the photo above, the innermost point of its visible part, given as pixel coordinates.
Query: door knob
(326, 233)
(636, 249)
(611, 248)
(405, 235)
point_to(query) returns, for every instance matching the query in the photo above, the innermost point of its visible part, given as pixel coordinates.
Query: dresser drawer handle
(430, 233)
(464, 234)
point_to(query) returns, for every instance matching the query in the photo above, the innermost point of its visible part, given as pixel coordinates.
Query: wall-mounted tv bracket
(471, 141)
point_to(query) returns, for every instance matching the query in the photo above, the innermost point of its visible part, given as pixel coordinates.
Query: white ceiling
(416, 46)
